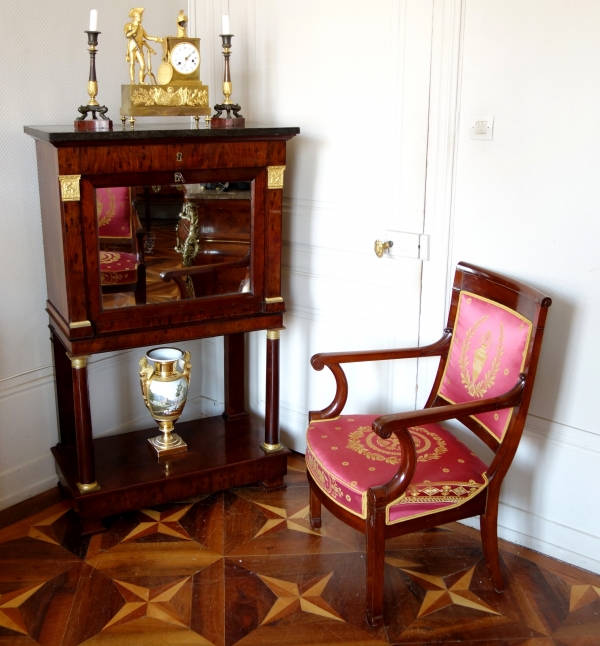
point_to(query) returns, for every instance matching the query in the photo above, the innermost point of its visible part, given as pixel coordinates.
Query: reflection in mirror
(173, 242)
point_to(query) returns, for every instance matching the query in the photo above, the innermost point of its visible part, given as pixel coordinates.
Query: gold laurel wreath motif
(108, 257)
(110, 211)
(480, 388)
(393, 457)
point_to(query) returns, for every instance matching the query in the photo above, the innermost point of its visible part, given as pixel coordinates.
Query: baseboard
(27, 480)
(575, 547)
(547, 501)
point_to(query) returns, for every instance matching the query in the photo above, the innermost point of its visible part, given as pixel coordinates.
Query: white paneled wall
(355, 77)
(528, 204)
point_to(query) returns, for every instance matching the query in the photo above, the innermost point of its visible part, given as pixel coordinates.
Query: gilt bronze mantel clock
(177, 89)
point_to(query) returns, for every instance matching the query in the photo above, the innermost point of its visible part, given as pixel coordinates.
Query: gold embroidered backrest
(113, 207)
(497, 326)
(488, 351)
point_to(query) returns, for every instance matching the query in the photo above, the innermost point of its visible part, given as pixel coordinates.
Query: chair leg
(315, 509)
(140, 290)
(489, 538)
(375, 569)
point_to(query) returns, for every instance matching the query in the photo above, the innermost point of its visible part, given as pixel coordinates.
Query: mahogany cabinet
(93, 310)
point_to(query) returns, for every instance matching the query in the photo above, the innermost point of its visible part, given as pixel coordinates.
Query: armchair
(121, 237)
(395, 474)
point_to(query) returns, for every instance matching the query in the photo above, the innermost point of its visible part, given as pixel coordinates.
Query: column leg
(83, 426)
(271, 443)
(234, 376)
(63, 383)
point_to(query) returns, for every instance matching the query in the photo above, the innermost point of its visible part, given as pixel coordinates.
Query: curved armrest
(378, 497)
(385, 425)
(204, 269)
(178, 275)
(319, 361)
(399, 424)
(333, 359)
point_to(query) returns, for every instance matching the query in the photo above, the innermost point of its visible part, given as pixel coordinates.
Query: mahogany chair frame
(517, 296)
(178, 276)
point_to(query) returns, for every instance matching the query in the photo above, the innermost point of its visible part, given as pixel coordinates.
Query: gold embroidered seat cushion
(345, 457)
(118, 268)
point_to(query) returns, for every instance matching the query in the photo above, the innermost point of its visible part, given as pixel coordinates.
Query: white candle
(225, 24)
(93, 20)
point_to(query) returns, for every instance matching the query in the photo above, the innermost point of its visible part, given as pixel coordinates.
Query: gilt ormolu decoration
(176, 90)
(275, 176)
(69, 188)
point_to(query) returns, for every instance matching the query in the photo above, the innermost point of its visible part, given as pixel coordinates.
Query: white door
(355, 77)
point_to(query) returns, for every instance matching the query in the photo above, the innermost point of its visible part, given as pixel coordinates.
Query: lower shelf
(221, 454)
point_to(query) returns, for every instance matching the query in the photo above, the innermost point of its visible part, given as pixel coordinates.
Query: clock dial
(185, 58)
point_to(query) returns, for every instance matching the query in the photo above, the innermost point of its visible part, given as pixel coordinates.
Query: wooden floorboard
(243, 567)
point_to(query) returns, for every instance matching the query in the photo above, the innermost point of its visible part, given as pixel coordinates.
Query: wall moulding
(562, 435)
(25, 380)
(546, 536)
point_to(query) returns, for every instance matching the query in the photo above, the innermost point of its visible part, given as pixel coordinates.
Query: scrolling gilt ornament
(190, 246)
(375, 448)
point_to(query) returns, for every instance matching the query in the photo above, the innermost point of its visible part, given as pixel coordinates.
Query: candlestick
(93, 20)
(237, 121)
(99, 120)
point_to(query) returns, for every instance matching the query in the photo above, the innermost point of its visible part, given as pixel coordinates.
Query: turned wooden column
(271, 443)
(234, 376)
(63, 384)
(83, 426)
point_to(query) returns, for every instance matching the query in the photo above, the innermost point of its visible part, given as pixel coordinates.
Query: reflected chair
(217, 277)
(391, 475)
(213, 237)
(121, 237)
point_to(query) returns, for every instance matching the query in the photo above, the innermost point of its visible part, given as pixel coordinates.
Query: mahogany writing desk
(82, 179)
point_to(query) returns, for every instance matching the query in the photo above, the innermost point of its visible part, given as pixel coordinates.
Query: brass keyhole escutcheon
(380, 247)
(179, 156)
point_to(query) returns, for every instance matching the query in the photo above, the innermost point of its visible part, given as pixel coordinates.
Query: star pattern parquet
(244, 567)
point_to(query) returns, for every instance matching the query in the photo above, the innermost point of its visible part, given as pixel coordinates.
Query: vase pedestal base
(173, 445)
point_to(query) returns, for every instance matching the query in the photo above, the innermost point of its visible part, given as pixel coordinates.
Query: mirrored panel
(173, 242)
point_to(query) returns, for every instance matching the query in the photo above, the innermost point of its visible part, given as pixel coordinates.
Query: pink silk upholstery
(118, 268)
(487, 353)
(113, 209)
(345, 457)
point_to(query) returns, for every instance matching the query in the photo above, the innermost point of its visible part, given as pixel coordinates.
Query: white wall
(528, 204)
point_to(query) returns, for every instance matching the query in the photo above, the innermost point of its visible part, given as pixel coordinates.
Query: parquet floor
(243, 567)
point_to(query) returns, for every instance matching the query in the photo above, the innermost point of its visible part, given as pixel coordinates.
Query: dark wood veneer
(223, 452)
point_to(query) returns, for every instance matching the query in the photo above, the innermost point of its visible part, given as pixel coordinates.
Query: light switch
(481, 126)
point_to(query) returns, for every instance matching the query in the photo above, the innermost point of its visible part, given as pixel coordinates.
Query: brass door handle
(380, 247)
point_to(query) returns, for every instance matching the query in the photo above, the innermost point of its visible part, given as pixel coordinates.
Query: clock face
(185, 58)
